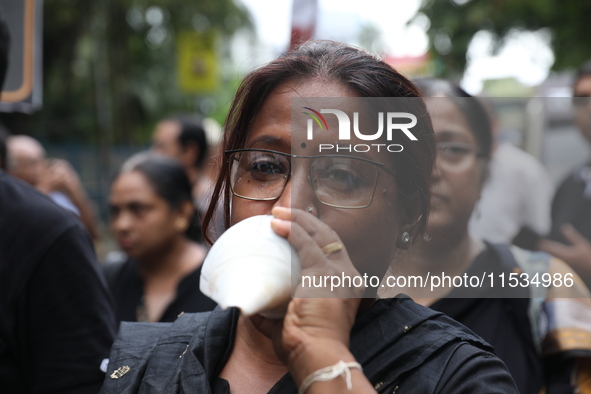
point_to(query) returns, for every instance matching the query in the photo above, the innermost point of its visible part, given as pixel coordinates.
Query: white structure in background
(525, 56)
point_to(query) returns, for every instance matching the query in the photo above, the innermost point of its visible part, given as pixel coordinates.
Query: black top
(402, 347)
(56, 315)
(127, 287)
(572, 204)
(505, 324)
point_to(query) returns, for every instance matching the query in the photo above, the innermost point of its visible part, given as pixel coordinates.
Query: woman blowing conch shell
(345, 215)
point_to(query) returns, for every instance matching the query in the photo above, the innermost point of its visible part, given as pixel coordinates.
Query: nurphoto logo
(391, 119)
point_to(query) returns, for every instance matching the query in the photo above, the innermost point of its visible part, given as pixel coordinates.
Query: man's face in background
(166, 140)
(26, 159)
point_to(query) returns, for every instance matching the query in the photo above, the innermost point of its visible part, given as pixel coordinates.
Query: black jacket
(56, 315)
(402, 347)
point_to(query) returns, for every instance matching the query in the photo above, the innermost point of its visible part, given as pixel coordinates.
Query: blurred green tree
(370, 38)
(109, 66)
(454, 23)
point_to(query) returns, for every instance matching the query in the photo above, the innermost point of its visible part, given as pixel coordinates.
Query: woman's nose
(121, 223)
(298, 192)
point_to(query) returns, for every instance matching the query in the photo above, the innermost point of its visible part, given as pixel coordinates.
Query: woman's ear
(184, 216)
(187, 209)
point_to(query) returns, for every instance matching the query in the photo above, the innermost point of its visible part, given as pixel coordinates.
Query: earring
(405, 237)
(181, 224)
(310, 209)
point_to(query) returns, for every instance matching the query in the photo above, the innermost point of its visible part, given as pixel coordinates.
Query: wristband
(329, 373)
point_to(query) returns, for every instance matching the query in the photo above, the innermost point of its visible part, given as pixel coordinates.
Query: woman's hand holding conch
(316, 328)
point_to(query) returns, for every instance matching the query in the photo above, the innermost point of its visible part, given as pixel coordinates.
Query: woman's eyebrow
(449, 135)
(269, 141)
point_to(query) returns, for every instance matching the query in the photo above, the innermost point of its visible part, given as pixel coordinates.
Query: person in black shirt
(56, 314)
(153, 219)
(570, 235)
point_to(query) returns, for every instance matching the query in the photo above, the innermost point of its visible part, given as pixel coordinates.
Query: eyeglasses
(457, 155)
(338, 181)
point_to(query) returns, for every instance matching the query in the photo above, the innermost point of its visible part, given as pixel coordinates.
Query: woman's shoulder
(156, 353)
(404, 316)
(403, 344)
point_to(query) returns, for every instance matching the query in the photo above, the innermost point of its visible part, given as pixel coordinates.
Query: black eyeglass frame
(379, 166)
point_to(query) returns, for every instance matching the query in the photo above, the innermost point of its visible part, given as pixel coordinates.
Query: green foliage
(566, 19)
(109, 66)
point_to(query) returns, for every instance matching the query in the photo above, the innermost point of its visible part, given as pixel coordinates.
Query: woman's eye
(454, 150)
(341, 179)
(266, 167)
(138, 209)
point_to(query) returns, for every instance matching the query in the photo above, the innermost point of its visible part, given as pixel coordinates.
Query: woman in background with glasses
(543, 340)
(343, 214)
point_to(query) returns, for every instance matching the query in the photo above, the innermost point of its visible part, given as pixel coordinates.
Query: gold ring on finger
(332, 247)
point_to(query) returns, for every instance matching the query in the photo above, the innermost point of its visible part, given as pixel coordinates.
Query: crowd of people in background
(492, 209)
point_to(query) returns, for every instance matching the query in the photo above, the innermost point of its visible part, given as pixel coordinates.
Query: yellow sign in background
(197, 65)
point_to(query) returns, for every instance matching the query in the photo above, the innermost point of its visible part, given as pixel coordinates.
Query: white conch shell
(249, 267)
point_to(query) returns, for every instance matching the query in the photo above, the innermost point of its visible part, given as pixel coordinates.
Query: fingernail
(276, 211)
(278, 224)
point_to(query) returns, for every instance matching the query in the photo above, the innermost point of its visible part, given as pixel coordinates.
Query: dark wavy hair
(367, 76)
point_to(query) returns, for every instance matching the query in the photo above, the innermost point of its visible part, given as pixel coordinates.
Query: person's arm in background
(69, 318)
(60, 176)
(577, 253)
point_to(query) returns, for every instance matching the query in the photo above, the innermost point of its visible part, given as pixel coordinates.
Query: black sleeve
(70, 319)
(471, 370)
